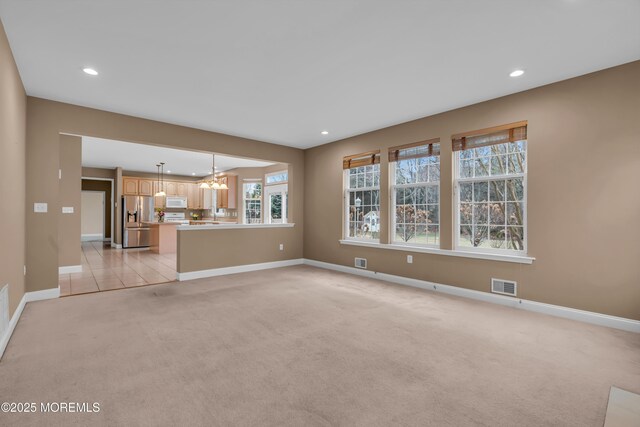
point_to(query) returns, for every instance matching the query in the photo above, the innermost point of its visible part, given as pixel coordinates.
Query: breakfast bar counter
(164, 237)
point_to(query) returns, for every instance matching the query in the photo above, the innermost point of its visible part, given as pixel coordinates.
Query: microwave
(176, 202)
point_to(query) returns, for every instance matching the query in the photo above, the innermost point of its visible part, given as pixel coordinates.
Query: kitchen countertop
(160, 223)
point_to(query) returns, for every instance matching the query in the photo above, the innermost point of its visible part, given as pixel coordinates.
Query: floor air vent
(361, 262)
(504, 287)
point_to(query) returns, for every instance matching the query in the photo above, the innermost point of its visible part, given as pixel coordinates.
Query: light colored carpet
(305, 346)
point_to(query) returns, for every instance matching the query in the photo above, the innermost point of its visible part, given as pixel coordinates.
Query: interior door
(276, 200)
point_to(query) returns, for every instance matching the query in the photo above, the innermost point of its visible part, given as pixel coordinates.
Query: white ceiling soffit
(282, 71)
(108, 154)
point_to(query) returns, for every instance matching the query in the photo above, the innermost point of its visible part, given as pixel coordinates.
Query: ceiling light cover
(325, 132)
(517, 73)
(90, 71)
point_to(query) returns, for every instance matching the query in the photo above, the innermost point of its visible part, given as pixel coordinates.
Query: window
(362, 196)
(491, 189)
(277, 177)
(252, 197)
(276, 200)
(415, 193)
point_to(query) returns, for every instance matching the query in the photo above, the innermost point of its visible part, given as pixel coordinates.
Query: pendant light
(213, 184)
(160, 192)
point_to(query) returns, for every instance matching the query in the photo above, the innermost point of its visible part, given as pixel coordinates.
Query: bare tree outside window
(491, 196)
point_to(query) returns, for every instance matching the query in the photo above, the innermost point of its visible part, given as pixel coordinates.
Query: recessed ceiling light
(325, 132)
(168, 171)
(193, 173)
(517, 73)
(90, 71)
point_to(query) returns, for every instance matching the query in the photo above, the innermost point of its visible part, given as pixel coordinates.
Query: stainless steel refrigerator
(135, 211)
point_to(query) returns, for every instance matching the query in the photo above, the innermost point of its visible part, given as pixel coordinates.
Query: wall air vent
(504, 287)
(361, 263)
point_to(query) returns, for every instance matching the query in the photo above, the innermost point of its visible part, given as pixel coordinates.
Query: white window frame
(272, 189)
(244, 200)
(392, 208)
(345, 201)
(270, 174)
(456, 206)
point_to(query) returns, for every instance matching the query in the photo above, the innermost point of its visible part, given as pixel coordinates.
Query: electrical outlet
(281, 246)
(67, 209)
(409, 259)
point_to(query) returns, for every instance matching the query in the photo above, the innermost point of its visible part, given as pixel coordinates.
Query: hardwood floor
(105, 268)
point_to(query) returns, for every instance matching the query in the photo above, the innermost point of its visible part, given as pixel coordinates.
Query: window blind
(490, 136)
(363, 159)
(415, 150)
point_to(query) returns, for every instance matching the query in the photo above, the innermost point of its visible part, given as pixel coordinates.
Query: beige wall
(98, 173)
(583, 195)
(98, 185)
(70, 160)
(47, 119)
(154, 176)
(117, 181)
(13, 115)
(207, 249)
(253, 174)
(93, 218)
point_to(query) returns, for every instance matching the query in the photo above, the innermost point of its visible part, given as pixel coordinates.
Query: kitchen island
(164, 237)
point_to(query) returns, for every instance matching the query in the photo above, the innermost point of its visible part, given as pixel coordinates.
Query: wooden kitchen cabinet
(232, 193)
(182, 189)
(158, 201)
(207, 199)
(194, 196)
(227, 199)
(145, 187)
(130, 186)
(171, 188)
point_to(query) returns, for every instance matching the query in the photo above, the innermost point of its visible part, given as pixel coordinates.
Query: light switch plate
(67, 209)
(40, 207)
(410, 259)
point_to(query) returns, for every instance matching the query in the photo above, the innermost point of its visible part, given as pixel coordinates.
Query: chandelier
(160, 192)
(213, 184)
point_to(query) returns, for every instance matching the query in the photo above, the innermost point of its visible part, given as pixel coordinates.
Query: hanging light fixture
(213, 184)
(160, 192)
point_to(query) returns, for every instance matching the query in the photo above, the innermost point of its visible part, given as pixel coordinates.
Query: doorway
(92, 216)
(277, 199)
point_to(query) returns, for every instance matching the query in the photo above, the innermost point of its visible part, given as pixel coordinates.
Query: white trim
(27, 297)
(113, 195)
(68, 269)
(446, 252)
(92, 237)
(116, 245)
(393, 188)
(538, 307)
(51, 293)
(186, 227)
(455, 200)
(190, 275)
(267, 191)
(270, 174)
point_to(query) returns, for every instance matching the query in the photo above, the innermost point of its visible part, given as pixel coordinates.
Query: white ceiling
(282, 71)
(106, 153)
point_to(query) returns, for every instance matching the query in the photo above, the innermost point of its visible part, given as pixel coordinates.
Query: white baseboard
(27, 297)
(68, 269)
(91, 237)
(116, 245)
(237, 269)
(550, 309)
